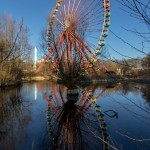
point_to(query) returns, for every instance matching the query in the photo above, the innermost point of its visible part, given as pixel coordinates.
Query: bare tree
(43, 41)
(140, 10)
(14, 48)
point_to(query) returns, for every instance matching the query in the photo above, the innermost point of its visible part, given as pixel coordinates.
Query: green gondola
(98, 53)
(107, 15)
(107, 25)
(105, 35)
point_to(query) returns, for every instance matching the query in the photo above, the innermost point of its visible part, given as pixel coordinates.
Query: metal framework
(78, 28)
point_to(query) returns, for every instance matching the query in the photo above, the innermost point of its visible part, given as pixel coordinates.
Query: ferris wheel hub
(71, 22)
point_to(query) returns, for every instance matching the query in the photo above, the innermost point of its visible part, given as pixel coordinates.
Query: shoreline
(94, 81)
(10, 84)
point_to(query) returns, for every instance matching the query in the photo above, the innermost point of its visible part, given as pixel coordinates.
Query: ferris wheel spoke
(91, 16)
(91, 20)
(73, 5)
(89, 44)
(93, 37)
(83, 25)
(93, 30)
(77, 6)
(89, 11)
(60, 22)
(65, 10)
(93, 24)
(86, 7)
(69, 7)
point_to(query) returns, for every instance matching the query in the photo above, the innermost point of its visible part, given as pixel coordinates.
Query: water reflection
(44, 115)
(35, 92)
(79, 119)
(146, 93)
(12, 118)
(71, 123)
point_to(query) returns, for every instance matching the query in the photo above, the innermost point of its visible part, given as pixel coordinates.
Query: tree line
(15, 49)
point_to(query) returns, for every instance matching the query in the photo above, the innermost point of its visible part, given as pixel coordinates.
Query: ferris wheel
(78, 27)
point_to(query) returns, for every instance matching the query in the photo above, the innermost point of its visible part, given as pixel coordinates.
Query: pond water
(48, 116)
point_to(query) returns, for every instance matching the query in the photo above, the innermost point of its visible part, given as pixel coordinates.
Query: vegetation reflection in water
(14, 117)
(93, 117)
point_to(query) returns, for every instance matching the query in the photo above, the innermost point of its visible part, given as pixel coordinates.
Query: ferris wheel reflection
(73, 119)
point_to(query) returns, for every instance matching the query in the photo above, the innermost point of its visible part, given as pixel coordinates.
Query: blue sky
(34, 13)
